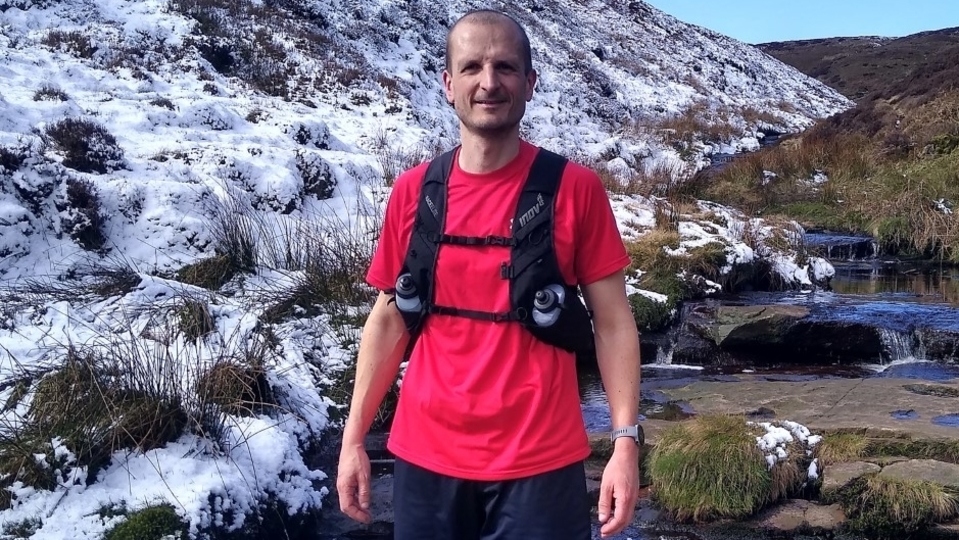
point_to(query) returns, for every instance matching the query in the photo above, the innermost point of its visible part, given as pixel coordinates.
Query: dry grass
(841, 447)
(893, 508)
(647, 251)
(236, 388)
(698, 121)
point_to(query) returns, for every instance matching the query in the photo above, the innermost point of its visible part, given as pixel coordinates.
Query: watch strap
(632, 432)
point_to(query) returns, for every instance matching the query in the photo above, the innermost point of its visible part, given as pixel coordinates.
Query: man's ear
(448, 86)
(530, 84)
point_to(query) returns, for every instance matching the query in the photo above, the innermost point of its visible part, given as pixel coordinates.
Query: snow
(778, 436)
(196, 143)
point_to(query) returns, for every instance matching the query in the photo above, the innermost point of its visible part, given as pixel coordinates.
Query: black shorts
(548, 506)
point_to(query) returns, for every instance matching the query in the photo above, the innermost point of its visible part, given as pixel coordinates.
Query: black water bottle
(407, 298)
(547, 304)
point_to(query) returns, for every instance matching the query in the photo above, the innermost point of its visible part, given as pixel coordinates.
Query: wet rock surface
(826, 404)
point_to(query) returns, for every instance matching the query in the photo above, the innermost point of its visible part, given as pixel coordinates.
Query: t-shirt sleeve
(599, 245)
(394, 237)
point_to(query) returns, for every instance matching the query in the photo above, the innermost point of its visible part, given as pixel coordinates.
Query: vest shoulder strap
(535, 206)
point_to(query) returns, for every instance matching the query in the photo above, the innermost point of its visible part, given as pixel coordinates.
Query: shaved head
(491, 17)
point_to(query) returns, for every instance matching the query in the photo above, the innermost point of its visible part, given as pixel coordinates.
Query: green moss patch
(152, 523)
(651, 315)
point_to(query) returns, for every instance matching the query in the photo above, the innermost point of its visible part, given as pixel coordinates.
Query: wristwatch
(635, 432)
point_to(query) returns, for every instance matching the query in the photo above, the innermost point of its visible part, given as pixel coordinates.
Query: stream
(897, 298)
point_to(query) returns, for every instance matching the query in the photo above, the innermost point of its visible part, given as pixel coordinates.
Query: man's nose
(489, 78)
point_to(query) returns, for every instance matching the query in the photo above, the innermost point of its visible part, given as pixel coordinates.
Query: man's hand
(353, 482)
(619, 489)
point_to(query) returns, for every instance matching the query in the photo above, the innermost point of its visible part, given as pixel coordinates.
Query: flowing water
(895, 297)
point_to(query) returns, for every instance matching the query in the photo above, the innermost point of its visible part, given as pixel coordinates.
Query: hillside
(227, 96)
(858, 66)
(189, 195)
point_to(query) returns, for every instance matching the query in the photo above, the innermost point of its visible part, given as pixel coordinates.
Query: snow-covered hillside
(353, 79)
(135, 133)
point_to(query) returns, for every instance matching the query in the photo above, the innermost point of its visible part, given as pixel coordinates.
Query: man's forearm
(381, 351)
(617, 353)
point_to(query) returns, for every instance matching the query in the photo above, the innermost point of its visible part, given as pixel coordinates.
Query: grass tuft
(210, 273)
(237, 389)
(890, 508)
(194, 319)
(710, 468)
(838, 447)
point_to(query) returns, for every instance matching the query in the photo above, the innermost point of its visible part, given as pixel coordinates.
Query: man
(488, 433)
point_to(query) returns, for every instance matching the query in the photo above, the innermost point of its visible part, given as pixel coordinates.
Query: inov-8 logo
(532, 212)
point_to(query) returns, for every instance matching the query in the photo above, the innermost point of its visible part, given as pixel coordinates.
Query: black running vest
(540, 299)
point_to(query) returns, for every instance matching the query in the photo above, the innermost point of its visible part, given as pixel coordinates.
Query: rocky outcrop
(712, 333)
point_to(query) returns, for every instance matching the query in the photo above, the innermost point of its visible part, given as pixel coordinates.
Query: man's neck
(481, 155)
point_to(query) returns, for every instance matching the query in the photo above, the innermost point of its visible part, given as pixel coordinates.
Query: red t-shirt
(483, 400)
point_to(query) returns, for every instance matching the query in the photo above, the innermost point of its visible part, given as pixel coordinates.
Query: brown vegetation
(859, 66)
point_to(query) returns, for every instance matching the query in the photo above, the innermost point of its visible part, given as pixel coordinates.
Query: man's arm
(382, 346)
(617, 353)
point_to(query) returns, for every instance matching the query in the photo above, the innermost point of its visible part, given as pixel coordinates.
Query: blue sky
(754, 21)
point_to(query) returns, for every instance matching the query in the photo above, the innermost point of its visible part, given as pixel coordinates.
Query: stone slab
(929, 470)
(864, 405)
(838, 475)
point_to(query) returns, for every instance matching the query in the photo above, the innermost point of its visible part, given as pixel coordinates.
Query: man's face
(486, 81)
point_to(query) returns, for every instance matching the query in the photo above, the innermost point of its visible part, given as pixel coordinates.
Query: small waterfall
(665, 347)
(664, 354)
(900, 346)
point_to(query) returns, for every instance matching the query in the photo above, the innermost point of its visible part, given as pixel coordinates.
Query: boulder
(785, 332)
(840, 475)
(939, 343)
(764, 325)
(929, 470)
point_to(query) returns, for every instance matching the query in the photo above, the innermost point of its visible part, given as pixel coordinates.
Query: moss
(883, 507)
(151, 523)
(945, 144)
(211, 273)
(710, 468)
(650, 315)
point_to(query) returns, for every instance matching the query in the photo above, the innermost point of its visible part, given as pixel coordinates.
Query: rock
(788, 333)
(929, 470)
(801, 516)
(941, 344)
(764, 325)
(839, 475)
(864, 405)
